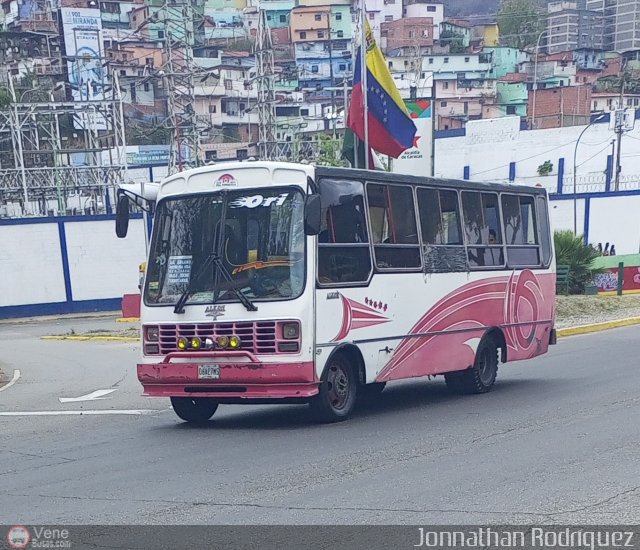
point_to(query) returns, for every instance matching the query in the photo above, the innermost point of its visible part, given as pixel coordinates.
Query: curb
(597, 327)
(98, 338)
(128, 320)
(61, 317)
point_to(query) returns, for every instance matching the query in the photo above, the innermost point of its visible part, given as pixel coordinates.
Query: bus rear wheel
(338, 387)
(196, 410)
(482, 376)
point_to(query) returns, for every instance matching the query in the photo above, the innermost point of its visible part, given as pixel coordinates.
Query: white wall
(30, 264)
(615, 220)
(490, 145)
(101, 265)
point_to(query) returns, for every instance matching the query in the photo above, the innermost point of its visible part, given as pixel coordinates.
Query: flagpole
(363, 75)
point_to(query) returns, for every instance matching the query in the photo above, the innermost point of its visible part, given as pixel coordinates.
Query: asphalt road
(557, 441)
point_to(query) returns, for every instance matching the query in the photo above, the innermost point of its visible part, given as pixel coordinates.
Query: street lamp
(575, 175)
(535, 79)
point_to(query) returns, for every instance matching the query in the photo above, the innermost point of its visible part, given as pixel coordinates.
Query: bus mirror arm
(312, 215)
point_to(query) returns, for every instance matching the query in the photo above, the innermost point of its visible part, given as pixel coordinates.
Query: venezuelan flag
(391, 130)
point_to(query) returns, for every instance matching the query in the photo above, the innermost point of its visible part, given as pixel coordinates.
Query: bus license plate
(209, 372)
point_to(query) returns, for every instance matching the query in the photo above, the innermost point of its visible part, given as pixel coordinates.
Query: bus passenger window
(343, 243)
(394, 230)
(482, 227)
(521, 232)
(441, 234)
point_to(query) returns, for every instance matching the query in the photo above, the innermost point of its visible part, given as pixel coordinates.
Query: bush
(571, 250)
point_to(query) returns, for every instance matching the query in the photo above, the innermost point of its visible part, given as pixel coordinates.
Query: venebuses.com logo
(18, 537)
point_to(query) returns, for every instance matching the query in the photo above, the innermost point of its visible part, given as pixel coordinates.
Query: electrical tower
(39, 165)
(179, 19)
(268, 147)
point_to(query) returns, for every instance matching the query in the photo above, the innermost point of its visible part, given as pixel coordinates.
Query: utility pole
(619, 128)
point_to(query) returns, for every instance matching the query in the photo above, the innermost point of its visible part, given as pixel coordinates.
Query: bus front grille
(256, 337)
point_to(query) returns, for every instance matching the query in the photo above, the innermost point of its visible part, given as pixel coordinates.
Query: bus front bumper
(254, 380)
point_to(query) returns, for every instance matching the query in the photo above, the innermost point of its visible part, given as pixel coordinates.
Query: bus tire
(338, 388)
(482, 376)
(196, 410)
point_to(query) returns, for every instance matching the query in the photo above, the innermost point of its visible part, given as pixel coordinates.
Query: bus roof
(390, 177)
(365, 175)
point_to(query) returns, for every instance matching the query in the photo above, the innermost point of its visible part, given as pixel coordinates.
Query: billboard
(418, 160)
(82, 30)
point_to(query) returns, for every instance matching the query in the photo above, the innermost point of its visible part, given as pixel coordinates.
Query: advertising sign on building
(418, 160)
(82, 29)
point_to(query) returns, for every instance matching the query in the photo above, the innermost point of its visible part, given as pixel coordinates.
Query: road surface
(557, 441)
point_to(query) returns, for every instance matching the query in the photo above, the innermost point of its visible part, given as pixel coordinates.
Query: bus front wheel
(482, 376)
(195, 410)
(337, 395)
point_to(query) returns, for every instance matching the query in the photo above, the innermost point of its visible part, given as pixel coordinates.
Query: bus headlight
(196, 343)
(291, 331)
(234, 342)
(182, 343)
(223, 341)
(151, 334)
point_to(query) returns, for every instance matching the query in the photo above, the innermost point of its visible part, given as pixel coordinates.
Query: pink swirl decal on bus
(356, 315)
(515, 303)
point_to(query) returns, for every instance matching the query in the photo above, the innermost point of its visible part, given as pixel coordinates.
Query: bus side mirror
(122, 216)
(312, 215)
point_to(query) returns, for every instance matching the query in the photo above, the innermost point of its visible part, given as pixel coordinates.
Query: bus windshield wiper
(215, 259)
(179, 308)
(225, 273)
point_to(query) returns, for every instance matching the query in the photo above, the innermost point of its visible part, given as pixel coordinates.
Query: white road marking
(16, 375)
(130, 412)
(93, 396)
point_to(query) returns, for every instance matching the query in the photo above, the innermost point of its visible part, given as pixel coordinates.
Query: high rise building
(621, 23)
(571, 27)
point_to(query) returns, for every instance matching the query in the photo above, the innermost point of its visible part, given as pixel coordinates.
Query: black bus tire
(481, 377)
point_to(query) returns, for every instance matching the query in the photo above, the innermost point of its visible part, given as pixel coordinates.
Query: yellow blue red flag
(390, 128)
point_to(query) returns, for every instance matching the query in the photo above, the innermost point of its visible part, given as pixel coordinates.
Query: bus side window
(443, 250)
(394, 231)
(482, 227)
(343, 244)
(521, 232)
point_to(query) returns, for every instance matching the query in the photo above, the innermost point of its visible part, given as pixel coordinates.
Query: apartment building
(569, 27)
(621, 23)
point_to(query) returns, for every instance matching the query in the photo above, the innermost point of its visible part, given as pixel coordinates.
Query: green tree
(5, 98)
(454, 40)
(520, 23)
(571, 250)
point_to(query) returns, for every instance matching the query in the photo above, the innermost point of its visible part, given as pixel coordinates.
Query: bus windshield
(257, 234)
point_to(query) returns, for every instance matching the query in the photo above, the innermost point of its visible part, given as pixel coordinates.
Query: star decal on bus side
(356, 315)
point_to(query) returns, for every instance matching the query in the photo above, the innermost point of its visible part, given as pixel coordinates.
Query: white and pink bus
(287, 283)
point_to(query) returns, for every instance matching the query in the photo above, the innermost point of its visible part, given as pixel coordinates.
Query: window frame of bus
(462, 247)
(537, 246)
(347, 284)
(417, 269)
(547, 255)
(474, 246)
